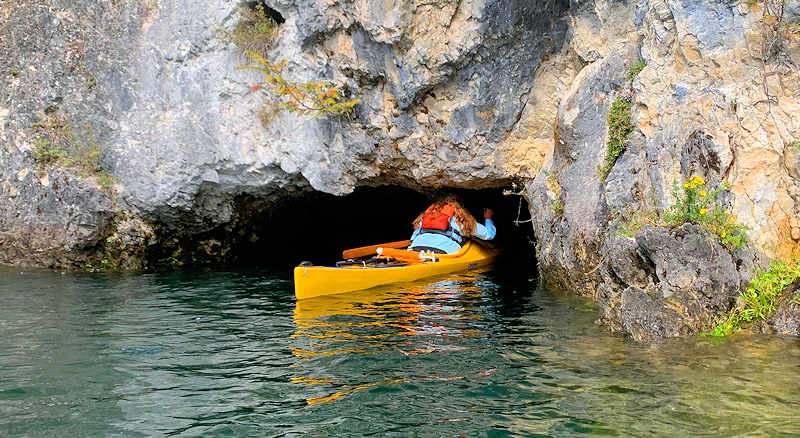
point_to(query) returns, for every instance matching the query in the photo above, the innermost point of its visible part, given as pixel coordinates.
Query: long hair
(464, 220)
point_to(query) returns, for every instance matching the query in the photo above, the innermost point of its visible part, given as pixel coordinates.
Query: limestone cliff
(469, 93)
(710, 102)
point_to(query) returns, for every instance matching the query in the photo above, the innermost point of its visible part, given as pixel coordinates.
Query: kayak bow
(313, 281)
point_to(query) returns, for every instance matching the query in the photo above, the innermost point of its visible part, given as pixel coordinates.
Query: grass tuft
(761, 298)
(635, 70)
(632, 223)
(619, 128)
(56, 144)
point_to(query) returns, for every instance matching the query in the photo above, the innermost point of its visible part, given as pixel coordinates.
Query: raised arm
(483, 232)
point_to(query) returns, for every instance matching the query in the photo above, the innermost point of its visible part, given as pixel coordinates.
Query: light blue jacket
(440, 241)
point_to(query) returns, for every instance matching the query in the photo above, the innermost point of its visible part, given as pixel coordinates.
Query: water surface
(232, 354)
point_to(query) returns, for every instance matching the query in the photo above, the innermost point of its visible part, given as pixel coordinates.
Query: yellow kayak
(314, 281)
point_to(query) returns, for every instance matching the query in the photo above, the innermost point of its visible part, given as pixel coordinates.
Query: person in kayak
(446, 225)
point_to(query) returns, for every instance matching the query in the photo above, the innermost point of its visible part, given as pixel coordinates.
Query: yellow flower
(703, 211)
(691, 186)
(723, 234)
(728, 212)
(698, 181)
(730, 219)
(685, 185)
(702, 193)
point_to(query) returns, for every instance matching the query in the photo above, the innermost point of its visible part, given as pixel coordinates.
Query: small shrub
(306, 98)
(619, 128)
(553, 185)
(45, 152)
(556, 203)
(254, 35)
(255, 31)
(635, 70)
(515, 190)
(558, 206)
(693, 204)
(56, 143)
(15, 71)
(106, 179)
(761, 298)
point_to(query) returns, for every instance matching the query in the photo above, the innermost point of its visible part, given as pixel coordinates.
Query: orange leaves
(306, 98)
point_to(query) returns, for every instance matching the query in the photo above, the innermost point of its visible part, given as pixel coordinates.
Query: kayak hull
(314, 281)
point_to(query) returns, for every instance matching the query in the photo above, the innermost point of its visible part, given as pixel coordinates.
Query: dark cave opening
(317, 227)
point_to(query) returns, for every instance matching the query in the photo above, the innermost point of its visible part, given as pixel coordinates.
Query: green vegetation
(14, 70)
(632, 223)
(174, 258)
(693, 204)
(255, 31)
(556, 203)
(796, 145)
(619, 128)
(254, 35)
(306, 98)
(516, 190)
(761, 298)
(55, 143)
(557, 206)
(102, 266)
(635, 70)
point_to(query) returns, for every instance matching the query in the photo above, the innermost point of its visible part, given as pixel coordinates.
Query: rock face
(702, 107)
(786, 319)
(468, 94)
(668, 283)
(178, 121)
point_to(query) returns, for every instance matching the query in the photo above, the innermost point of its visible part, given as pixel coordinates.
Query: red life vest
(440, 220)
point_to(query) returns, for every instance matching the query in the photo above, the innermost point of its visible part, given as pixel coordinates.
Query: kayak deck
(313, 281)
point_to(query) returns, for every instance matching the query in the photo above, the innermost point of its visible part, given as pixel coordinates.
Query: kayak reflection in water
(446, 225)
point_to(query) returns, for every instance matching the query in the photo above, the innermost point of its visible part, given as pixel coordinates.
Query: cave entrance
(268, 11)
(316, 227)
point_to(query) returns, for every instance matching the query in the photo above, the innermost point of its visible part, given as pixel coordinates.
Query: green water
(232, 354)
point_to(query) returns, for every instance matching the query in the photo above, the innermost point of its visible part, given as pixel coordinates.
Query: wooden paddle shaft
(369, 250)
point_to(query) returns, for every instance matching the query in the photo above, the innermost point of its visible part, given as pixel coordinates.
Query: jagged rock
(786, 318)
(51, 219)
(647, 318)
(571, 253)
(698, 281)
(668, 283)
(690, 261)
(178, 121)
(689, 119)
(629, 265)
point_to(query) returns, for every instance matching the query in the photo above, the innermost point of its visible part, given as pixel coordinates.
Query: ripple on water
(231, 353)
